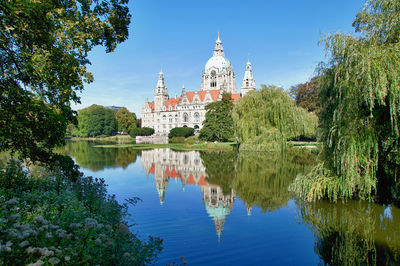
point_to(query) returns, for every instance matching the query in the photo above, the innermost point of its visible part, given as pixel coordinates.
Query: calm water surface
(231, 209)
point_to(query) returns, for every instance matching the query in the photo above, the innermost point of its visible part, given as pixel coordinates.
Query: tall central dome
(218, 59)
(218, 73)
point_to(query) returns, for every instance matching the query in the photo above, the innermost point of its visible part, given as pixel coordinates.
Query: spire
(218, 50)
(161, 83)
(183, 90)
(248, 82)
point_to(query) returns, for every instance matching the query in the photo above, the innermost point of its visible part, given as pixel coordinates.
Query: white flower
(67, 258)
(15, 216)
(11, 202)
(91, 223)
(54, 260)
(41, 220)
(38, 263)
(31, 250)
(23, 244)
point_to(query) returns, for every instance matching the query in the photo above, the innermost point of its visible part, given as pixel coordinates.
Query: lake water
(235, 209)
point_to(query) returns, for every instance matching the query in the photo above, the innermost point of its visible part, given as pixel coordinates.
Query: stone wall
(153, 139)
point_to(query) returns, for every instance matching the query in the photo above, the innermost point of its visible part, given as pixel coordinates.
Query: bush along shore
(46, 218)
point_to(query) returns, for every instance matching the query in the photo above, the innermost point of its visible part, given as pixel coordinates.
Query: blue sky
(179, 36)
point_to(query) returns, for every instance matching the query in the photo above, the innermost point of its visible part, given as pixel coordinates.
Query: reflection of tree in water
(262, 179)
(220, 168)
(96, 159)
(354, 233)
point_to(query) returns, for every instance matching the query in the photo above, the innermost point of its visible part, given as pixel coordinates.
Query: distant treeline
(97, 120)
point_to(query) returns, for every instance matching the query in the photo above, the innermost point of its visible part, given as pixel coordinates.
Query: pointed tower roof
(218, 50)
(161, 195)
(248, 82)
(161, 83)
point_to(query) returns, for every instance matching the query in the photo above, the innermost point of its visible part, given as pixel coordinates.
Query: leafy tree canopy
(43, 54)
(305, 95)
(125, 120)
(218, 125)
(360, 100)
(265, 119)
(94, 121)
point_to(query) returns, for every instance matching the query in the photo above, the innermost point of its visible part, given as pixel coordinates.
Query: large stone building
(165, 113)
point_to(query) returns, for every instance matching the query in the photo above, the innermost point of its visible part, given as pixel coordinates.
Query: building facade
(165, 113)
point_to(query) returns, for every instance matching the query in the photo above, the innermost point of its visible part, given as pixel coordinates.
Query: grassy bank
(48, 219)
(118, 139)
(224, 146)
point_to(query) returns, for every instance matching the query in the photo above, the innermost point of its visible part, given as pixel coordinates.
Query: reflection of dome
(217, 61)
(218, 212)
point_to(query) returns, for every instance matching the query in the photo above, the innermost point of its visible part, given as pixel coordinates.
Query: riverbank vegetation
(48, 218)
(359, 120)
(52, 214)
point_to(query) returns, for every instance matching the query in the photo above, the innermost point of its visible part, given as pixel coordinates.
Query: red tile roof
(214, 95)
(172, 102)
(190, 95)
(202, 95)
(151, 104)
(236, 96)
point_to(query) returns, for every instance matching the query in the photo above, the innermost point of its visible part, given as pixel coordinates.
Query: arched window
(196, 117)
(185, 117)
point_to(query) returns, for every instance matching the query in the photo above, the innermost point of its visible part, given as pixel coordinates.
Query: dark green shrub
(141, 131)
(181, 132)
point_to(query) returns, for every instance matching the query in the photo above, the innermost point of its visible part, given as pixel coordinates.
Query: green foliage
(48, 219)
(44, 49)
(218, 125)
(176, 140)
(305, 95)
(181, 132)
(95, 120)
(360, 99)
(266, 119)
(192, 140)
(126, 120)
(141, 131)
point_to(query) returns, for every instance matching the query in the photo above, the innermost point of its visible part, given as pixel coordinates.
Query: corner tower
(160, 93)
(248, 83)
(218, 73)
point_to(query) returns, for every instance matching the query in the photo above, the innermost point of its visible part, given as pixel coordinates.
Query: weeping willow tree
(265, 119)
(360, 98)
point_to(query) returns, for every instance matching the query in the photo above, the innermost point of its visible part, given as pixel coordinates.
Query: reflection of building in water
(218, 205)
(188, 167)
